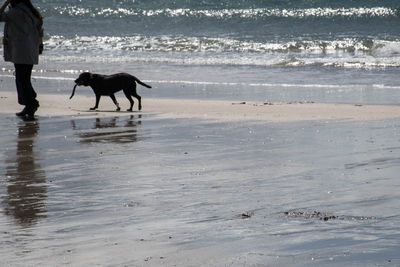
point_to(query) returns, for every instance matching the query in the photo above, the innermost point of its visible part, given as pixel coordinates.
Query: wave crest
(203, 44)
(349, 53)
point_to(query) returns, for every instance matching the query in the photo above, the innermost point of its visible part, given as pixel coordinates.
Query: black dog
(107, 85)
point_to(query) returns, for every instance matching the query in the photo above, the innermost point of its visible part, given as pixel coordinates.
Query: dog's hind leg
(133, 93)
(97, 102)
(115, 102)
(139, 100)
(128, 95)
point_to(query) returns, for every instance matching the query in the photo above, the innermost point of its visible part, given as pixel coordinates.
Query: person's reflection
(26, 181)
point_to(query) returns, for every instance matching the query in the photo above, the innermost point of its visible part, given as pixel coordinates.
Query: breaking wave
(350, 52)
(203, 44)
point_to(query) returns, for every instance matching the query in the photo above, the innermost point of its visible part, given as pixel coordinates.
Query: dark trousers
(26, 93)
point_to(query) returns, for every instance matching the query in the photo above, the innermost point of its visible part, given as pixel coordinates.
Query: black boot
(22, 113)
(31, 109)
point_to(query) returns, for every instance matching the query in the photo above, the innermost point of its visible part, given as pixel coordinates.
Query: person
(22, 44)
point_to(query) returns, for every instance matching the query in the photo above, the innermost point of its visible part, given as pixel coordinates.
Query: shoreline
(215, 110)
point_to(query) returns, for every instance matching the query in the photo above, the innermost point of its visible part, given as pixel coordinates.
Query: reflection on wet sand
(26, 180)
(110, 130)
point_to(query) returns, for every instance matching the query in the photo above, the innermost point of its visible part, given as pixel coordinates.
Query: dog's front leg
(97, 102)
(115, 102)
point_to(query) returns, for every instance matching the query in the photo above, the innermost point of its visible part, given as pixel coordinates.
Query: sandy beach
(215, 110)
(199, 183)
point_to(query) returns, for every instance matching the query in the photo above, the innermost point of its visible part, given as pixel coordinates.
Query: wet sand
(199, 183)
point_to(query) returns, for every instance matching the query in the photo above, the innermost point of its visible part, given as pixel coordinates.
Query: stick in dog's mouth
(73, 91)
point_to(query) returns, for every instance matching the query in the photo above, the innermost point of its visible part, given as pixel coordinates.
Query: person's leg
(26, 93)
(19, 69)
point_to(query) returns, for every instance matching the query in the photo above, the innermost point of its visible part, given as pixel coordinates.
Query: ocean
(282, 50)
(352, 34)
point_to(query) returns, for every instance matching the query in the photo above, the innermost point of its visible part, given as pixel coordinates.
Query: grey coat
(22, 34)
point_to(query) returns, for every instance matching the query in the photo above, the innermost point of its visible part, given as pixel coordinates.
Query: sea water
(322, 51)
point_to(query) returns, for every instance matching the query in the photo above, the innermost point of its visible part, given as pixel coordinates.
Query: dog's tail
(142, 83)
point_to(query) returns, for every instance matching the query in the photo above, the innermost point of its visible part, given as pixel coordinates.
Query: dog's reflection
(26, 180)
(110, 130)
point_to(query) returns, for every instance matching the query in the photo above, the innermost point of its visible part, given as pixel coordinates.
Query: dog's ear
(86, 76)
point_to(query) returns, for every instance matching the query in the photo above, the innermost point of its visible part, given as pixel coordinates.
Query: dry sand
(59, 105)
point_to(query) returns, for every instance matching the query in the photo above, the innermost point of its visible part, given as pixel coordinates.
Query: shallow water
(233, 83)
(340, 51)
(180, 192)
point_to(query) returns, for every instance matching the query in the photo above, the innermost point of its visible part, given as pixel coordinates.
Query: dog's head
(84, 79)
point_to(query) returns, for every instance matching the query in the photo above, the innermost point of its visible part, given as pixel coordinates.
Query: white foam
(203, 44)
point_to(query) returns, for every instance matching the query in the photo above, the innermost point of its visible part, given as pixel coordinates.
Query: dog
(108, 85)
